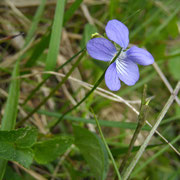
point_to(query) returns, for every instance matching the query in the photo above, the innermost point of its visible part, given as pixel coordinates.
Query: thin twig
(87, 14)
(141, 122)
(52, 92)
(119, 99)
(60, 161)
(31, 172)
(10, 37)
(100, 91)
(164, 79)
(146, 142)
(87, 95)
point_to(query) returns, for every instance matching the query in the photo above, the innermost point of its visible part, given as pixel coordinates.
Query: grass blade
(53, 91)
(107, 148)
(41, 83)
(69, 13)
(38, 50)
(55, 37)
(144, 145)
(9, 118)
(122, 125)
(40, 47)
(88, 94)
(35, 22)
(162, 150)
(163, 25)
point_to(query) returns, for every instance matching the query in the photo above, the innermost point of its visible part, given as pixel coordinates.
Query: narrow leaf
(35, 22)
(55, 37)
(88, 31)
(9, 118)
(123, 125)
(69, 13)
(38, 50)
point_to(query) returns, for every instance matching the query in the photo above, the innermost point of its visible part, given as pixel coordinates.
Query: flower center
(121, 65)
(122, 56)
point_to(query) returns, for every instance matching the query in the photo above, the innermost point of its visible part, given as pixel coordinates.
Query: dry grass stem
(89, 86)
(166, 82)
(31, 172)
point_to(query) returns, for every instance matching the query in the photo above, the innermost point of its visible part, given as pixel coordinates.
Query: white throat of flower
(122, 56)
(121, 64)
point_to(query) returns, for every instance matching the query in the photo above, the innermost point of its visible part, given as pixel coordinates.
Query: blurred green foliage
(152, 24)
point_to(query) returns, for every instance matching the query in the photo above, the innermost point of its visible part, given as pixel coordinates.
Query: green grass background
(54, 32)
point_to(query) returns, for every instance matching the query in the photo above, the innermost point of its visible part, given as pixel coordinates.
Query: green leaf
(55, 37)
(23, 137)
(172, 28)
(139, 168)
(35, 22)
(123, 125)
(10, 173)
(38, 50)
(27, 138)
(48, 150)
(88, 31)
(9, 118)
(69, 13)
(42, 82)
(174, 65)
(15, 145)
(157, 50)
(93, 150)
(123, 150)
(157, 31)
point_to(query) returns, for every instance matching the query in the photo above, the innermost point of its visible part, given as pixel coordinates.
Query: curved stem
(53, 91)
(107, 148)
(87, 95)
(144, 145)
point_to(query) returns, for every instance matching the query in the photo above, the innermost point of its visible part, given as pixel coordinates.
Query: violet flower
(124, 68)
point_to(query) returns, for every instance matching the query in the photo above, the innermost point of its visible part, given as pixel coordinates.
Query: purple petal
(128, 71)
(111, 78)
(140, 56)
(101, 49)
(118, 32)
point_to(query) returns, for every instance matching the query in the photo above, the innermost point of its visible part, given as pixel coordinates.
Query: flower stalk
(141, 122)
(53, 91)
(107, 148)
(147, 140)
(88, 94)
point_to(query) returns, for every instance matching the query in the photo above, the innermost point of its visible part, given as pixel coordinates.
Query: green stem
(107, 147)
(55, 39)
(141, 122)
(45, 79)
(145, 144)
(87, 95)
(9, 118)
(36, 20)
(53, 91)
(154, 156)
